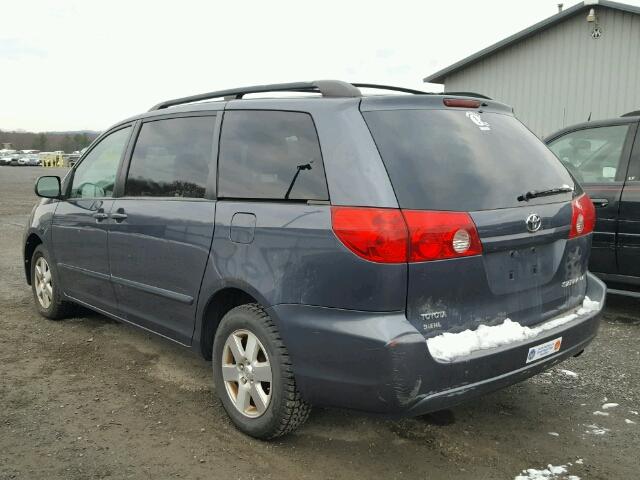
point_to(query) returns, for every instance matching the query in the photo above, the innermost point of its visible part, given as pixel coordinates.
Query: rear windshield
(463, 160)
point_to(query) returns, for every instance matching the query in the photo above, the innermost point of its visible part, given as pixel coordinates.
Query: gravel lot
(91, 398)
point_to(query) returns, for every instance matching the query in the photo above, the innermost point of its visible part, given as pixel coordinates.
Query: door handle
(119, 215)
(600, 202)
(100, 215)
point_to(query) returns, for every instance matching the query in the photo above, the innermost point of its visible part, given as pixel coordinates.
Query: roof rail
(328, 88)
(467, 94)
(635, 113)
(390, 88)
(418, 92)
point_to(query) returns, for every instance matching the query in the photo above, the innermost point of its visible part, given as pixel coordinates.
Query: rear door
(273, 220)
(480, 163)
(598, 158)
(161, 228)
(629, 223)
(80, 223)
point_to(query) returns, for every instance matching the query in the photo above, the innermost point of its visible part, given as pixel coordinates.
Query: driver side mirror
(48, 187)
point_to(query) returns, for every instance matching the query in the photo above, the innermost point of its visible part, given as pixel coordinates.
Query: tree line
(48, 141)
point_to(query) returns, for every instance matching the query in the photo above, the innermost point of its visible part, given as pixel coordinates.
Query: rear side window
(592, 154)
(172, 158)
(270, 155)
(463, 161)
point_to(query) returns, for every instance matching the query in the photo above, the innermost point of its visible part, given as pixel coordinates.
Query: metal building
(582, 63)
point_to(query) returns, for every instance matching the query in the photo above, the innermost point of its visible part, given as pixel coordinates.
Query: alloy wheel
(43, 283)
(247, 374)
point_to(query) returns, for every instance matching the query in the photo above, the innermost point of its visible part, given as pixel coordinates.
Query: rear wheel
(253, 375)
(46, 287)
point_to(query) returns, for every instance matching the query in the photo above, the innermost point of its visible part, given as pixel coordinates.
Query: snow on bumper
(449, 347)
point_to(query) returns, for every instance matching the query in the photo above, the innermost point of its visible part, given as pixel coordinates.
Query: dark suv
(604, 156)
(395, 254)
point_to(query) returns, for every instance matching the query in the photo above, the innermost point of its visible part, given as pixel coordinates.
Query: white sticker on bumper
(544, 350)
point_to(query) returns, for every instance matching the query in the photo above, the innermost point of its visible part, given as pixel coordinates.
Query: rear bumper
(378, 362)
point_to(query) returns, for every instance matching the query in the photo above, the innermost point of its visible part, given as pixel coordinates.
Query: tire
(49, 304)
(285, 410)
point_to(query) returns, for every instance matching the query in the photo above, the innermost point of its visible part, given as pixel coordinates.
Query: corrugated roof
(440, 75)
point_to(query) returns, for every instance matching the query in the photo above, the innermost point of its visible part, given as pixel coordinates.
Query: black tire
(58, 308)
(286, 410)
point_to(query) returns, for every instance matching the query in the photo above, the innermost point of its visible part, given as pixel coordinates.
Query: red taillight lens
(461, 103)
(376, 234)
(440, 235)
(388, 235)
(583, 218)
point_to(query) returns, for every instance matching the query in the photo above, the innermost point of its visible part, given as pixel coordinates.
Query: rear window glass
(463, 161)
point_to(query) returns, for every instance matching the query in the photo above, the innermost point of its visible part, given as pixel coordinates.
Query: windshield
(464, 160)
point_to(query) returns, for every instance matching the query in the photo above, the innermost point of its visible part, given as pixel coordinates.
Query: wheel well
(217, 307)
(29, 247)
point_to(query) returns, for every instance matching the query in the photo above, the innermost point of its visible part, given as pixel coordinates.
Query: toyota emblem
(534, 222)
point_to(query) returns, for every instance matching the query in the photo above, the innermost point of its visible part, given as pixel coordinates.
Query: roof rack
(328, 88)
(390, 88)
(635, 113)
(467, 94)
(418, 92)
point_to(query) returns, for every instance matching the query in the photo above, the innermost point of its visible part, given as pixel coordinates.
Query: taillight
(396, 236)
(376, 234)
(461, 103)
(440, 235)
(583, 218)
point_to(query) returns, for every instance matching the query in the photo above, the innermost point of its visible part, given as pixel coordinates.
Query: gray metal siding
(560, 75)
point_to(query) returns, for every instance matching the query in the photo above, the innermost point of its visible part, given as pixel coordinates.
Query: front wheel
(253, 375)
(46, 287)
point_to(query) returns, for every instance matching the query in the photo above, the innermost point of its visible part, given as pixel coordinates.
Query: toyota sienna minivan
(392, 254)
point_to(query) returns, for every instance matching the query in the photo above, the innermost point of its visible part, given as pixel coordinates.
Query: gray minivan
(395, 254)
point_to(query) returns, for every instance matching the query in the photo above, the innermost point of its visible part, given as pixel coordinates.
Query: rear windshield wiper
(544, 193)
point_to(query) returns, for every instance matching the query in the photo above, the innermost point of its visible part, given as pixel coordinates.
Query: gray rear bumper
(378, 362)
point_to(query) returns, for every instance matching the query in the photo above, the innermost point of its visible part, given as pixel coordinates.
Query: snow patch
(554, 434)
(568, 373)
(633, 411)
(606, 406)
(549, 473)
(630, 422)
(447, 347)
(598, 412)
(596, 430)
(579, 461)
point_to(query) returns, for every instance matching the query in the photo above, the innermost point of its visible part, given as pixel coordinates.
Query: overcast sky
(67, 65)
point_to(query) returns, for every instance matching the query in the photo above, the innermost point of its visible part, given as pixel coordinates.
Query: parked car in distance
(389, 253)
(29, 160)
(10, 159)
(604, 156)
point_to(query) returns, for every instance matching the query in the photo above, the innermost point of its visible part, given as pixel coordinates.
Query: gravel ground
(91, 398)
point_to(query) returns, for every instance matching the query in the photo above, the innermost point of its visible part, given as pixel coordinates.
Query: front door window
(95, 176)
